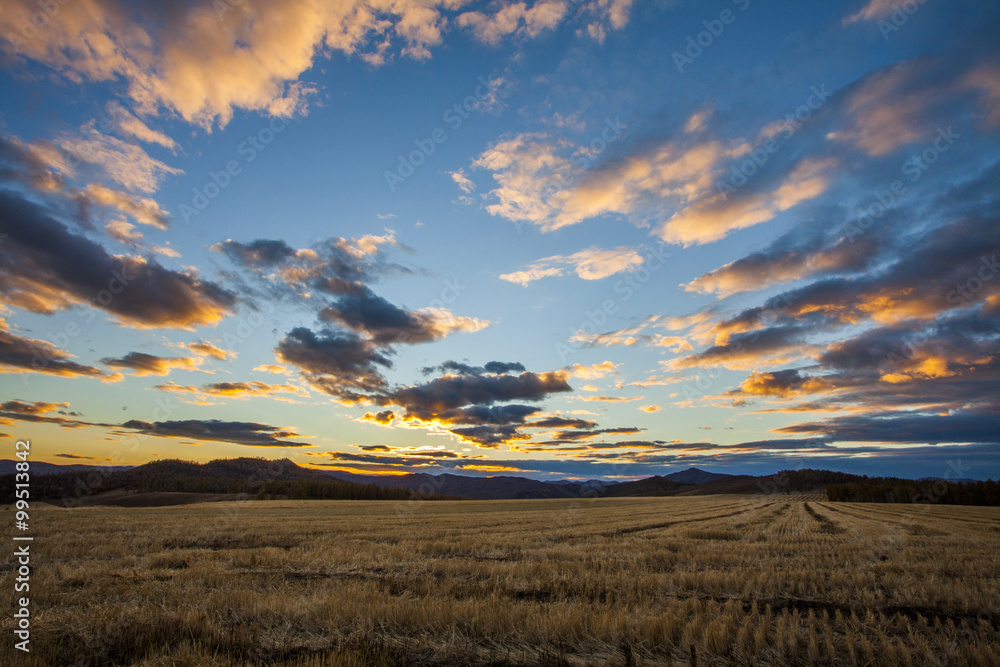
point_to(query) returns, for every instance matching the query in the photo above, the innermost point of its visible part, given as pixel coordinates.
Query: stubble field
(776, 580)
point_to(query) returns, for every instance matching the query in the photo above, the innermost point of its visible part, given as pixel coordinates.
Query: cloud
(272, 368)
(123, 232)
(491, 367)
(514, 19)
(148, 364)
(46, 268)
(259, 254)
(799, 254)
(333, 266)
(385, 324)
(210, 350)
(746, 350)
(462, 181)
(20, 355)
(929, 276)
(782, 384)
(712, 218)
(39, 412)
(489, 437)
(590, 434)
(592, 371)
(169, 56)
(251, 434)
(237, 390)
(633, 336)
(875, 9)
(889, 110)
(434, 399)
(985, 79)
(142, 209)
(472, 404)
(591, 264)
(46, 168)
(905, 427)
(610, 399)
(125, 163)
(340, 364)
(127, 123)
(560, 422)
(384, 417)
(541, 181)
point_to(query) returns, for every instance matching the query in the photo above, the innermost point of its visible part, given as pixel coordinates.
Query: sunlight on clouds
(125, 163)
(540, 181)
(986, 80)
(875, 9)
(593, 371)
(514, 19)
(174, 56)
(590, 264)
(713, 218)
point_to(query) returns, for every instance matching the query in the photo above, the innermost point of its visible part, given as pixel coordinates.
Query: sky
(564, 239)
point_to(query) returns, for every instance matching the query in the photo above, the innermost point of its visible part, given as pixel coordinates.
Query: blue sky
(739, 235)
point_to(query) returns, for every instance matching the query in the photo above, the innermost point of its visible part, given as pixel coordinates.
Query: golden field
(769, 580)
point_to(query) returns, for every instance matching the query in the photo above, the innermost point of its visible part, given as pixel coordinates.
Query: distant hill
(244, 477)
(178, 482)
(509, 487)
(475, 488)
(42, 468)
(695, 476)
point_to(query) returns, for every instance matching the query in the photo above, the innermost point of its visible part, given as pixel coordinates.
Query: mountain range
(233, 475)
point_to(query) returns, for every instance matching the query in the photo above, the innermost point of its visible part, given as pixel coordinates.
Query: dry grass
(636, 581)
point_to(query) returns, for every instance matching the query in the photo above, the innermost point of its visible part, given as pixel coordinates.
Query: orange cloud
(209, 350)
(590, 264)
(148, 364)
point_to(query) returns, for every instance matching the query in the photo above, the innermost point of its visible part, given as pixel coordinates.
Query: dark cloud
(489, 437)
(398, 458)
(150, 364)
(21, 165)
(386, 324)
(262, 253)
(31, 408)
(950, 364)
(586, 434)
(561, 422)
(806, 251)
(384, 417)
(491, 367)
(44, 268)
(431, 399)
(251, 434)
(785, 383)
(38, 412)
(749, 348)
(908, 428)
(488, 414)
(338, 363)
(19, 355)
(375, 448)
(334, 266)
(951, 266)
(501, 367)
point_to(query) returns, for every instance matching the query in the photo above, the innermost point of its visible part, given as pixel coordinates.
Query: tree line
(894, 490)
(237, 477)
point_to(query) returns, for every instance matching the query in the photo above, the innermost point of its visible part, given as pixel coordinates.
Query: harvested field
(635, 581)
